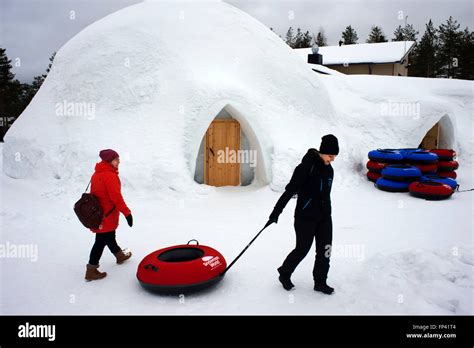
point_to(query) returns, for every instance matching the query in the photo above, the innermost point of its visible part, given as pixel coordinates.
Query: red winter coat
(105, 185)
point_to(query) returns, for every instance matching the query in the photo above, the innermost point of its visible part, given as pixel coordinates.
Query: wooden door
(221, 164)
(430, 141)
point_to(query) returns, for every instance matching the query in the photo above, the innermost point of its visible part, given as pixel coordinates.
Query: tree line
(445, 51)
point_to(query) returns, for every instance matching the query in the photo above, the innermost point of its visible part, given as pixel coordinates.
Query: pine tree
(290, 38)
(321, 39)
(398, 34)
(32, 89)
(466, 55)
(450, 38)
(298, 38)
(6, 84)
(376, 35)
(406, 33)
(11, 92)
(302, 40)
(424, 62)
(307, 40)
(6, 76)
(410, 33)
(349, 36)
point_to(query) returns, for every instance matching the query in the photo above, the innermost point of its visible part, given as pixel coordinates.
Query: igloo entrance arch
(440, 136)
(229, 153)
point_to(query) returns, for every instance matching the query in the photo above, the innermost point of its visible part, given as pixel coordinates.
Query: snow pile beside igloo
(149, 79)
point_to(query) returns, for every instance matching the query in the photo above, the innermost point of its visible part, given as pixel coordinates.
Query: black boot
(324, 288)
(285, 281)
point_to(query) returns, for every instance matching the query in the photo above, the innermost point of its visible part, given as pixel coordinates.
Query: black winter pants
(306, 231)
(101, 240)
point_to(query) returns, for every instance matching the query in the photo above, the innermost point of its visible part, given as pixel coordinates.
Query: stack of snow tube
(425, 174)
(446, 166)
(397, 177)
(406, 165)
(379, 159)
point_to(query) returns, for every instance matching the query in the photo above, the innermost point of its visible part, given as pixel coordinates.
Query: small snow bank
(412, 281)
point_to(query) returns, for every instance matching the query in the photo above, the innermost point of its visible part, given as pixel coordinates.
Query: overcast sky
(31, 30)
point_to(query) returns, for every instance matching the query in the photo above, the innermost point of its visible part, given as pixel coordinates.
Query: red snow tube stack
(181, 268)
(374, 170)
(430, 190)
(446, 165)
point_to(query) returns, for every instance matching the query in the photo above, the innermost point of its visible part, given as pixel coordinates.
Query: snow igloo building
(186, 92)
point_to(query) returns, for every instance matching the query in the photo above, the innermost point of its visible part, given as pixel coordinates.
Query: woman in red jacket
(106, 186)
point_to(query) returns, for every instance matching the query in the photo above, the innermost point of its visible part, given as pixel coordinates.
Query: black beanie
(329, 145)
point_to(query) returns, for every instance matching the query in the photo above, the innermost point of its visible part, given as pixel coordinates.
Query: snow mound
(149, 79)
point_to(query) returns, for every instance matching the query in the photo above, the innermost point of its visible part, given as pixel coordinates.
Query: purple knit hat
(108, 155)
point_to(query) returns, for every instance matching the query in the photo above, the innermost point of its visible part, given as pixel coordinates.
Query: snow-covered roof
(383, 52)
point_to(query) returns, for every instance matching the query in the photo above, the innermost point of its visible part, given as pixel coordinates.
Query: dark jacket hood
(312, 157)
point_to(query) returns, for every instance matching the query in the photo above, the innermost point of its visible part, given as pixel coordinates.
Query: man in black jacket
(312, 181)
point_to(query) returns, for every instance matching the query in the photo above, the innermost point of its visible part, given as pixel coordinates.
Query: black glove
(274, 217)
(129, 220)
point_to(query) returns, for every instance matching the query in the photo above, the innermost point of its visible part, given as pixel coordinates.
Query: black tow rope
(243, 251)
(458, 190)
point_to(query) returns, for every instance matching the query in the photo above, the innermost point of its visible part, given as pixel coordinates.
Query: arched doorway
(225, 156)
(440, 136)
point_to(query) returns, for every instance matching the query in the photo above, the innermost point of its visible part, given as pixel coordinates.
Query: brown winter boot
(92, 273)
(122, 257)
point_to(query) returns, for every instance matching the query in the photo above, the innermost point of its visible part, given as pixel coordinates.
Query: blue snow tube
(392, 186)
(401, 172)
(386, 156)
(440, 179)
(419, 155)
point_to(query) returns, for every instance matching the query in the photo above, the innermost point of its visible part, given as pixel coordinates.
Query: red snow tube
(430, 190)
(373, 176)
(446, 166)
(376, 166)
(444, 154)
(425, 168)
(181, 268)
(451, 175)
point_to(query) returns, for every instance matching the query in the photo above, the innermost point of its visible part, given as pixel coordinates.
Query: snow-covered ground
(393, 254)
